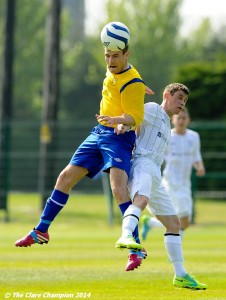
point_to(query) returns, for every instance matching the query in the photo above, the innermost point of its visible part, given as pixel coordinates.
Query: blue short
(104, 149)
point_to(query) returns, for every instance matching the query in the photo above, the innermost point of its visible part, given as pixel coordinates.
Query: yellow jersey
(123, 93)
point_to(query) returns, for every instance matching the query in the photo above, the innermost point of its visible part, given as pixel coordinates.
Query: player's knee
(140, 201)
(64, 181)
(174, 225)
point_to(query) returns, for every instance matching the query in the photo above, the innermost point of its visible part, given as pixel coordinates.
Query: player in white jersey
(145, 181)
(183, 153)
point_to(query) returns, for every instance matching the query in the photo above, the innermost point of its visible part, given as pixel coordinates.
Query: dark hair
(174, 87)
(119, 49)
(125, 49)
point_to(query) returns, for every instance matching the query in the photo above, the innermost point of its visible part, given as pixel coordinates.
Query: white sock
(174, 250)
(153, 222)
(130, 220)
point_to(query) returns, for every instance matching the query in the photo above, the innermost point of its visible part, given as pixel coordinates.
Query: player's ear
(166, 95)
(127, 53)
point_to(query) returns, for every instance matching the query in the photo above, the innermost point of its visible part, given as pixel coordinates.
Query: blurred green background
(158, 50)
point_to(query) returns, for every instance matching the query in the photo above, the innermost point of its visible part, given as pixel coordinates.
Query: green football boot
(188, 282)
(129, 243)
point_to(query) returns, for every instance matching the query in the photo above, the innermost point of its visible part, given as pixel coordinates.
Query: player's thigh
(69, 177)
(140, 179)
(88, 156)
(160, 202)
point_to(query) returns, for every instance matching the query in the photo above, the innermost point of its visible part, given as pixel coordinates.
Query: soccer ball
(115, 36)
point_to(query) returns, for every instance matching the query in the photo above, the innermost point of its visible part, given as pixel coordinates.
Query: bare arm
(112, 121)
(124, 122)
(149, 91)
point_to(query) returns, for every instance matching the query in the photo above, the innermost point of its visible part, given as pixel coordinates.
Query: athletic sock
(53, 206)
(174, 250)
(130, 220)
(153, 222)
(123, 207)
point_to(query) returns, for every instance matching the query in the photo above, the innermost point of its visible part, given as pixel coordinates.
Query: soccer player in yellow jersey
(105, 148)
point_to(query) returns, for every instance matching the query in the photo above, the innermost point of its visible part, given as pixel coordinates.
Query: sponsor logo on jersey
(161, 135)
(114, 80)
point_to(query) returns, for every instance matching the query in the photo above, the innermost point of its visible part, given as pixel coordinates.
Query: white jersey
(154, 135)
(150, 148)
(182, 153)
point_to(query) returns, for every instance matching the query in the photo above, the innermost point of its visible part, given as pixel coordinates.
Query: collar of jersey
(129, 67)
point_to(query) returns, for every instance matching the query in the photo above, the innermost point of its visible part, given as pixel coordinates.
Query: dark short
(104, 149)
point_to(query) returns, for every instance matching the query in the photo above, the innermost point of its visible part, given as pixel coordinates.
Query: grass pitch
(80, 261)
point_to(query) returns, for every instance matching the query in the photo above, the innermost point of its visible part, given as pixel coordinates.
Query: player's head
(117, 61)
(181, 120)
(175, 96)
(115, 37)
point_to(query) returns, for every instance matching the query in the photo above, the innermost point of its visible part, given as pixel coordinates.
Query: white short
(181, 197)
(145, 179)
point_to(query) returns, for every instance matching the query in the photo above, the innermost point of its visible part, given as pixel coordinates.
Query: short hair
(174, 87)
(125, 49)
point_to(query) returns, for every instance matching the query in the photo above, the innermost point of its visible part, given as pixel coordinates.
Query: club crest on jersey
(114, 80)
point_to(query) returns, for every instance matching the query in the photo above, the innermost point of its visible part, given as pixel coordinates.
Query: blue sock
(136, 235)
(53, 206)
(123, 207)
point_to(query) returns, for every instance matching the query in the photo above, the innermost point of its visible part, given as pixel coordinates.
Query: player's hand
(106, 119)
(200, 172)
(149, 91)
(121, 128)
(200, 168)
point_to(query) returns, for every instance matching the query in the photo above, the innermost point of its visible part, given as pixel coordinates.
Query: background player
(183, 153)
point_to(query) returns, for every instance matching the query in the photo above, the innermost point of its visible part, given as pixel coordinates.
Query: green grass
(81, 259)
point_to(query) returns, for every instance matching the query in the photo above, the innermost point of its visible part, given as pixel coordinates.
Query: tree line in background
(157, 48)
